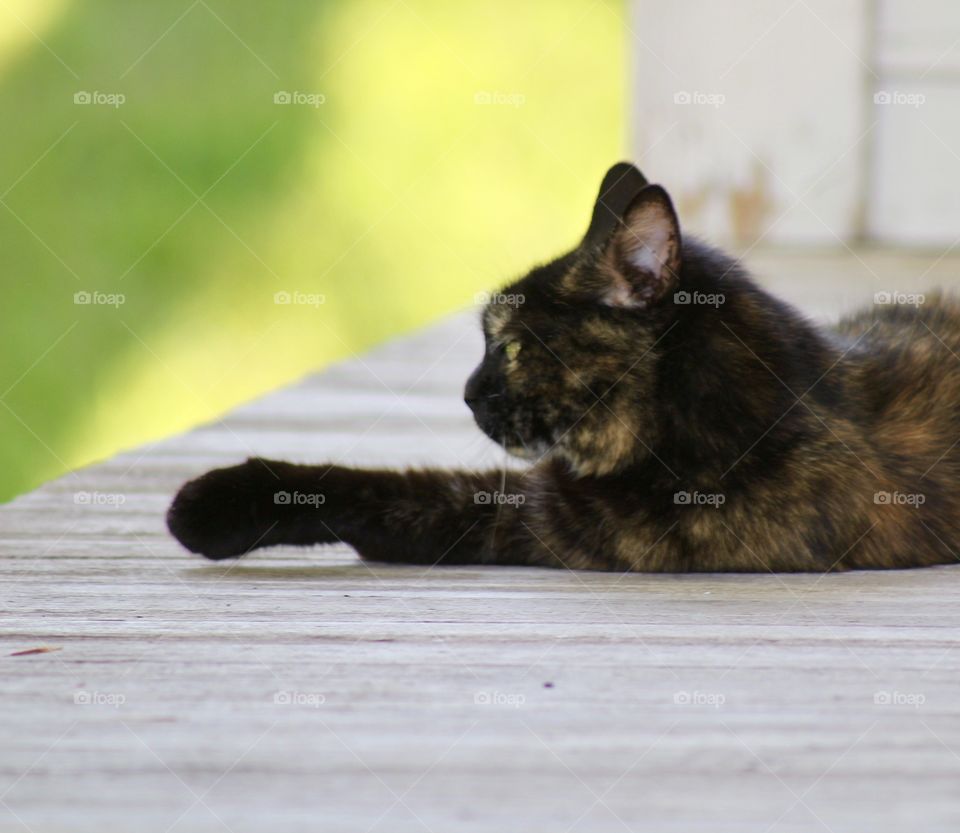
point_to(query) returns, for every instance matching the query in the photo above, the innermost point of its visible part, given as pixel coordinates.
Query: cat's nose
(472, 393)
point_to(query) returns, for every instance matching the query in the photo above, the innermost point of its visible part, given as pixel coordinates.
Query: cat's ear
(642, 260)
(620, 186)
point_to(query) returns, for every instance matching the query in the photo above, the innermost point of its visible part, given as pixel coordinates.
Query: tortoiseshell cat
(678, 418)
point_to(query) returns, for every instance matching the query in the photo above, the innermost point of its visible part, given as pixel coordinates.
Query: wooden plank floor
(304, 690)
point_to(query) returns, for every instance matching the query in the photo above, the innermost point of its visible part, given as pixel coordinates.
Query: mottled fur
(677, 418)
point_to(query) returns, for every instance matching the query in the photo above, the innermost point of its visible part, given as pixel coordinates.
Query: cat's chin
(531, 453)
(529, 450)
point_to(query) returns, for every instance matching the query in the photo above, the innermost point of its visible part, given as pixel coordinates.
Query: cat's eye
(512, 349)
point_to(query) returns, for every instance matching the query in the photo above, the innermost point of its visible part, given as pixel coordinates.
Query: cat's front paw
(224, 513)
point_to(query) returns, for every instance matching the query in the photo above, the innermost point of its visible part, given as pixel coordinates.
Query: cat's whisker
(498, 498)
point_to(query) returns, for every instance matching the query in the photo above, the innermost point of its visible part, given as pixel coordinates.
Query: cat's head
(569, 367)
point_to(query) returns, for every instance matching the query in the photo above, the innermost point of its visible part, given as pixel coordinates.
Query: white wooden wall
(916, 169)
(802, 121)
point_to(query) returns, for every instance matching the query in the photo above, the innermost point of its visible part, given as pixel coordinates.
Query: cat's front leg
(419, 516)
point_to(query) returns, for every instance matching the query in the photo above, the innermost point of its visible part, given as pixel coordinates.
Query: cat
(677, 418)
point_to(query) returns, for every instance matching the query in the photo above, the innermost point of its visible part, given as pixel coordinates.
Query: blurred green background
(429, 150)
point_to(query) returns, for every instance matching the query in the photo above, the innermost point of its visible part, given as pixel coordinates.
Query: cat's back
(904, 362)
(905, 344)
(898, 320)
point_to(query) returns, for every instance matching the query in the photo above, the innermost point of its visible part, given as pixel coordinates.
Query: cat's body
(679, 419)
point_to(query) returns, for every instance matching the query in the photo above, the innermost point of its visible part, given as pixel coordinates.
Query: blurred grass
(199, 198)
